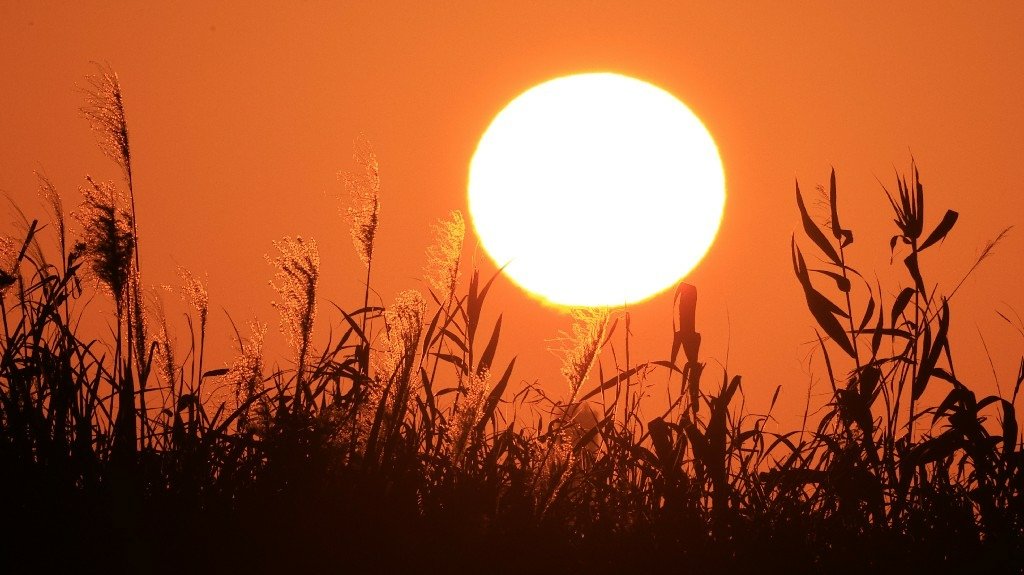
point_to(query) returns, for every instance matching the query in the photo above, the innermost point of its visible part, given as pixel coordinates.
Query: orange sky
(240, 119)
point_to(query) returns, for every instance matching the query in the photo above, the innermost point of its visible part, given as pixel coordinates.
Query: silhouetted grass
(398, 445)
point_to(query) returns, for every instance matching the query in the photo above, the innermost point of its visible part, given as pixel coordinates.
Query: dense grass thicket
(400, 445)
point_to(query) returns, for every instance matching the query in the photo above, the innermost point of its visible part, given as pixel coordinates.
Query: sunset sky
(240, 119)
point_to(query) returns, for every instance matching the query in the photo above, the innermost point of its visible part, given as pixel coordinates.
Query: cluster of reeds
(398, 443)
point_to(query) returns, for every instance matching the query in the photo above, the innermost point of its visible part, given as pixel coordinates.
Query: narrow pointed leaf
(901, 303)
(828, 322)
(1009, 427)
(494, 397)
(876, 338)
(452, 359)
(612, 381)
(492, 345)
(845, 237)
(815, 234)
(841, 282)
(868, 313)
(915, 271)
(932, 355)
(940, 231)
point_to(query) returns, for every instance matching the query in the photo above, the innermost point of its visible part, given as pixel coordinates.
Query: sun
(596, 190)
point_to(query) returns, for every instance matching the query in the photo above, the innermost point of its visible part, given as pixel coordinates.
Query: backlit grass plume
(403, 322)
(584, 345)
(194, 293)
(164, 347)
(467, 412)
(49, 194)
(298, 269)
(8, 260)
(104, 108)
(246, 372)
(107, 240)
(364, 191)
(444, 255)
(391, 394)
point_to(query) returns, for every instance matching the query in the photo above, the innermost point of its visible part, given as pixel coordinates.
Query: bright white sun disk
(596, 189)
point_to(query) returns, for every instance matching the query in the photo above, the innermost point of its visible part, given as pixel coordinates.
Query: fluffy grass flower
(8, 262)
(164, 346)
(444, 255)
(467, 412)
(403, 322)
(583, 346)
(363, 188)
(104, 108)
(246, 372)
(49, 194)
(108, 240)
(193, 291)
(298, 270)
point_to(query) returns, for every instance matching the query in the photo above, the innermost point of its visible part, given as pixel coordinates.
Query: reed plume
(104, 108)
(468, 411)
(444, 255)
(364, 192)
(394, 385)
(246, 372)
(107, 242)
(193, 292)
(52, 198)
(137, 334)
(8, 262)
(584, 345)
(403, 322)
(164, 347)
(298, 269)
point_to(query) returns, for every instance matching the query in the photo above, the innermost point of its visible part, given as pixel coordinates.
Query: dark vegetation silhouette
(398, 445)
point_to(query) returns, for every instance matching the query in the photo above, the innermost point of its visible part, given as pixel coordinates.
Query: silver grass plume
(467, 412)
(364, 192)
(8, 263)
(104, 108)
(246, 372)
(52, 198)
(137, 318)
(193, 292)
(444, 255)
(298, 269)
(164, 346)
(584, 345)
(108, 241)
(403, 322)
(396, 385)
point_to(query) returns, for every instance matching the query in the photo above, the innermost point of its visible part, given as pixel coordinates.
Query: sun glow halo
(596, 190)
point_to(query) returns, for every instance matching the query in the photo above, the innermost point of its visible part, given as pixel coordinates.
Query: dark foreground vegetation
(399, 445)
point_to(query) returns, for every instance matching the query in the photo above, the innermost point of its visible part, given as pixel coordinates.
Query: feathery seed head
(164, 352)
(104, 108)
(8, 262)
(107, 238)
(467, 413)
(583, 345)
(51, 197)
(444, 255)
(137, 318)
(246, 371)
(364, 192)
(403, 323)
(194, 292)
(298, 269)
